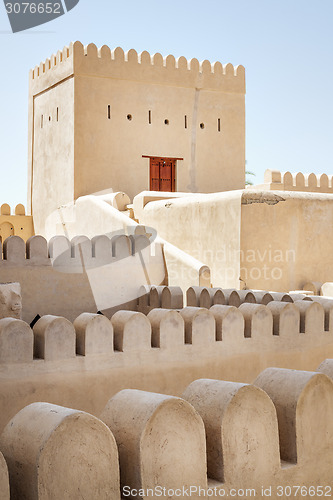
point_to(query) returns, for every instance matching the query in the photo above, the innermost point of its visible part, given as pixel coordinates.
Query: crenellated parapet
(99, 274)
(14, 221)
(59, 452)
(217, 439)
(89, 60)
(84, 362)
(200, 296)
(222, 328)
(5, 209)
(298, 181)
(76, 254)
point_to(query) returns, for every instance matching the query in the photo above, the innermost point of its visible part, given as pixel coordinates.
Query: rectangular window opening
(149, 117)
(185, 121)
(109, 112)
(41, 121)
(57, 114)
(219, 125)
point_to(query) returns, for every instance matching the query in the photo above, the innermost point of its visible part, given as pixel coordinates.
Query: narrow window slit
(109, 112)
(185, 121)
(41, 121)
(149, 117)
(219, 125)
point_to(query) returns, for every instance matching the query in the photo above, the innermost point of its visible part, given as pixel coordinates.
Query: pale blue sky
(286, 47)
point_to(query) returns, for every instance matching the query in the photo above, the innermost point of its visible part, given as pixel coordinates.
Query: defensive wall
(107, 214)
(15, 222)
(81, 364)
(296, 181)
(267, 240)
(67, 277)
(219, 438)
(82, 275)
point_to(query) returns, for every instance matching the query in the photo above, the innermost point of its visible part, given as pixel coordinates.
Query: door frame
(174, 170)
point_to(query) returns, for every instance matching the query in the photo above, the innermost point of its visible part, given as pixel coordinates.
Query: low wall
(141, 199)
(67, 278)
(89, 215)
(297, 181)
(98, 214)
(218, 439)
(207, 227)
(162, 352)
(265, 240)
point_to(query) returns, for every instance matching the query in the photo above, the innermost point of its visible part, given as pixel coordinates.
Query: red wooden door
(154, 174)
(162, 174)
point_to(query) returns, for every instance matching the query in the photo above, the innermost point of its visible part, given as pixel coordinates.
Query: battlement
(77, 59)
(218, 436)
(223, 329)
(14, 221)
(246, 323)
(98, 274)
(82, 252)
(5, 209)
(287, 181)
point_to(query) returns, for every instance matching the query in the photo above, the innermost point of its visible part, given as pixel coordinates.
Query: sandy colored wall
(113, 149)
(135, 364)
(296, 181)
(93, 215)
(287, 244)
(81, 275)
(52, 177)
(204, 226)
(273, 240)
(89, 216)
(231, 440)
(15, 222)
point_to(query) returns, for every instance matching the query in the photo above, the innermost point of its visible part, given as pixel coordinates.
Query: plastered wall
(69, 277)
(52, 137)
(15, 222)
(270, 240)
(206, 226)
(286, 243)
(96, 215)
(220, 438)
(297, 181)
(161, 352)
(242, 429)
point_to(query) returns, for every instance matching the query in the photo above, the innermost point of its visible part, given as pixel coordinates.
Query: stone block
(168, 329)
(94, 334)
(238, 297)
(241, 429)
(16, 341)
(161, 440)
(229, 323)
(59, 453)
(172, 297)
(258, 320)
(54, 338)
(199, 326)
(10, 300)
(304, 405)
(132, 331)
(312, 317)
(286, 318)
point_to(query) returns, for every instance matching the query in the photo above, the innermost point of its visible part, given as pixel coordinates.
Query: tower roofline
(88, 60)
